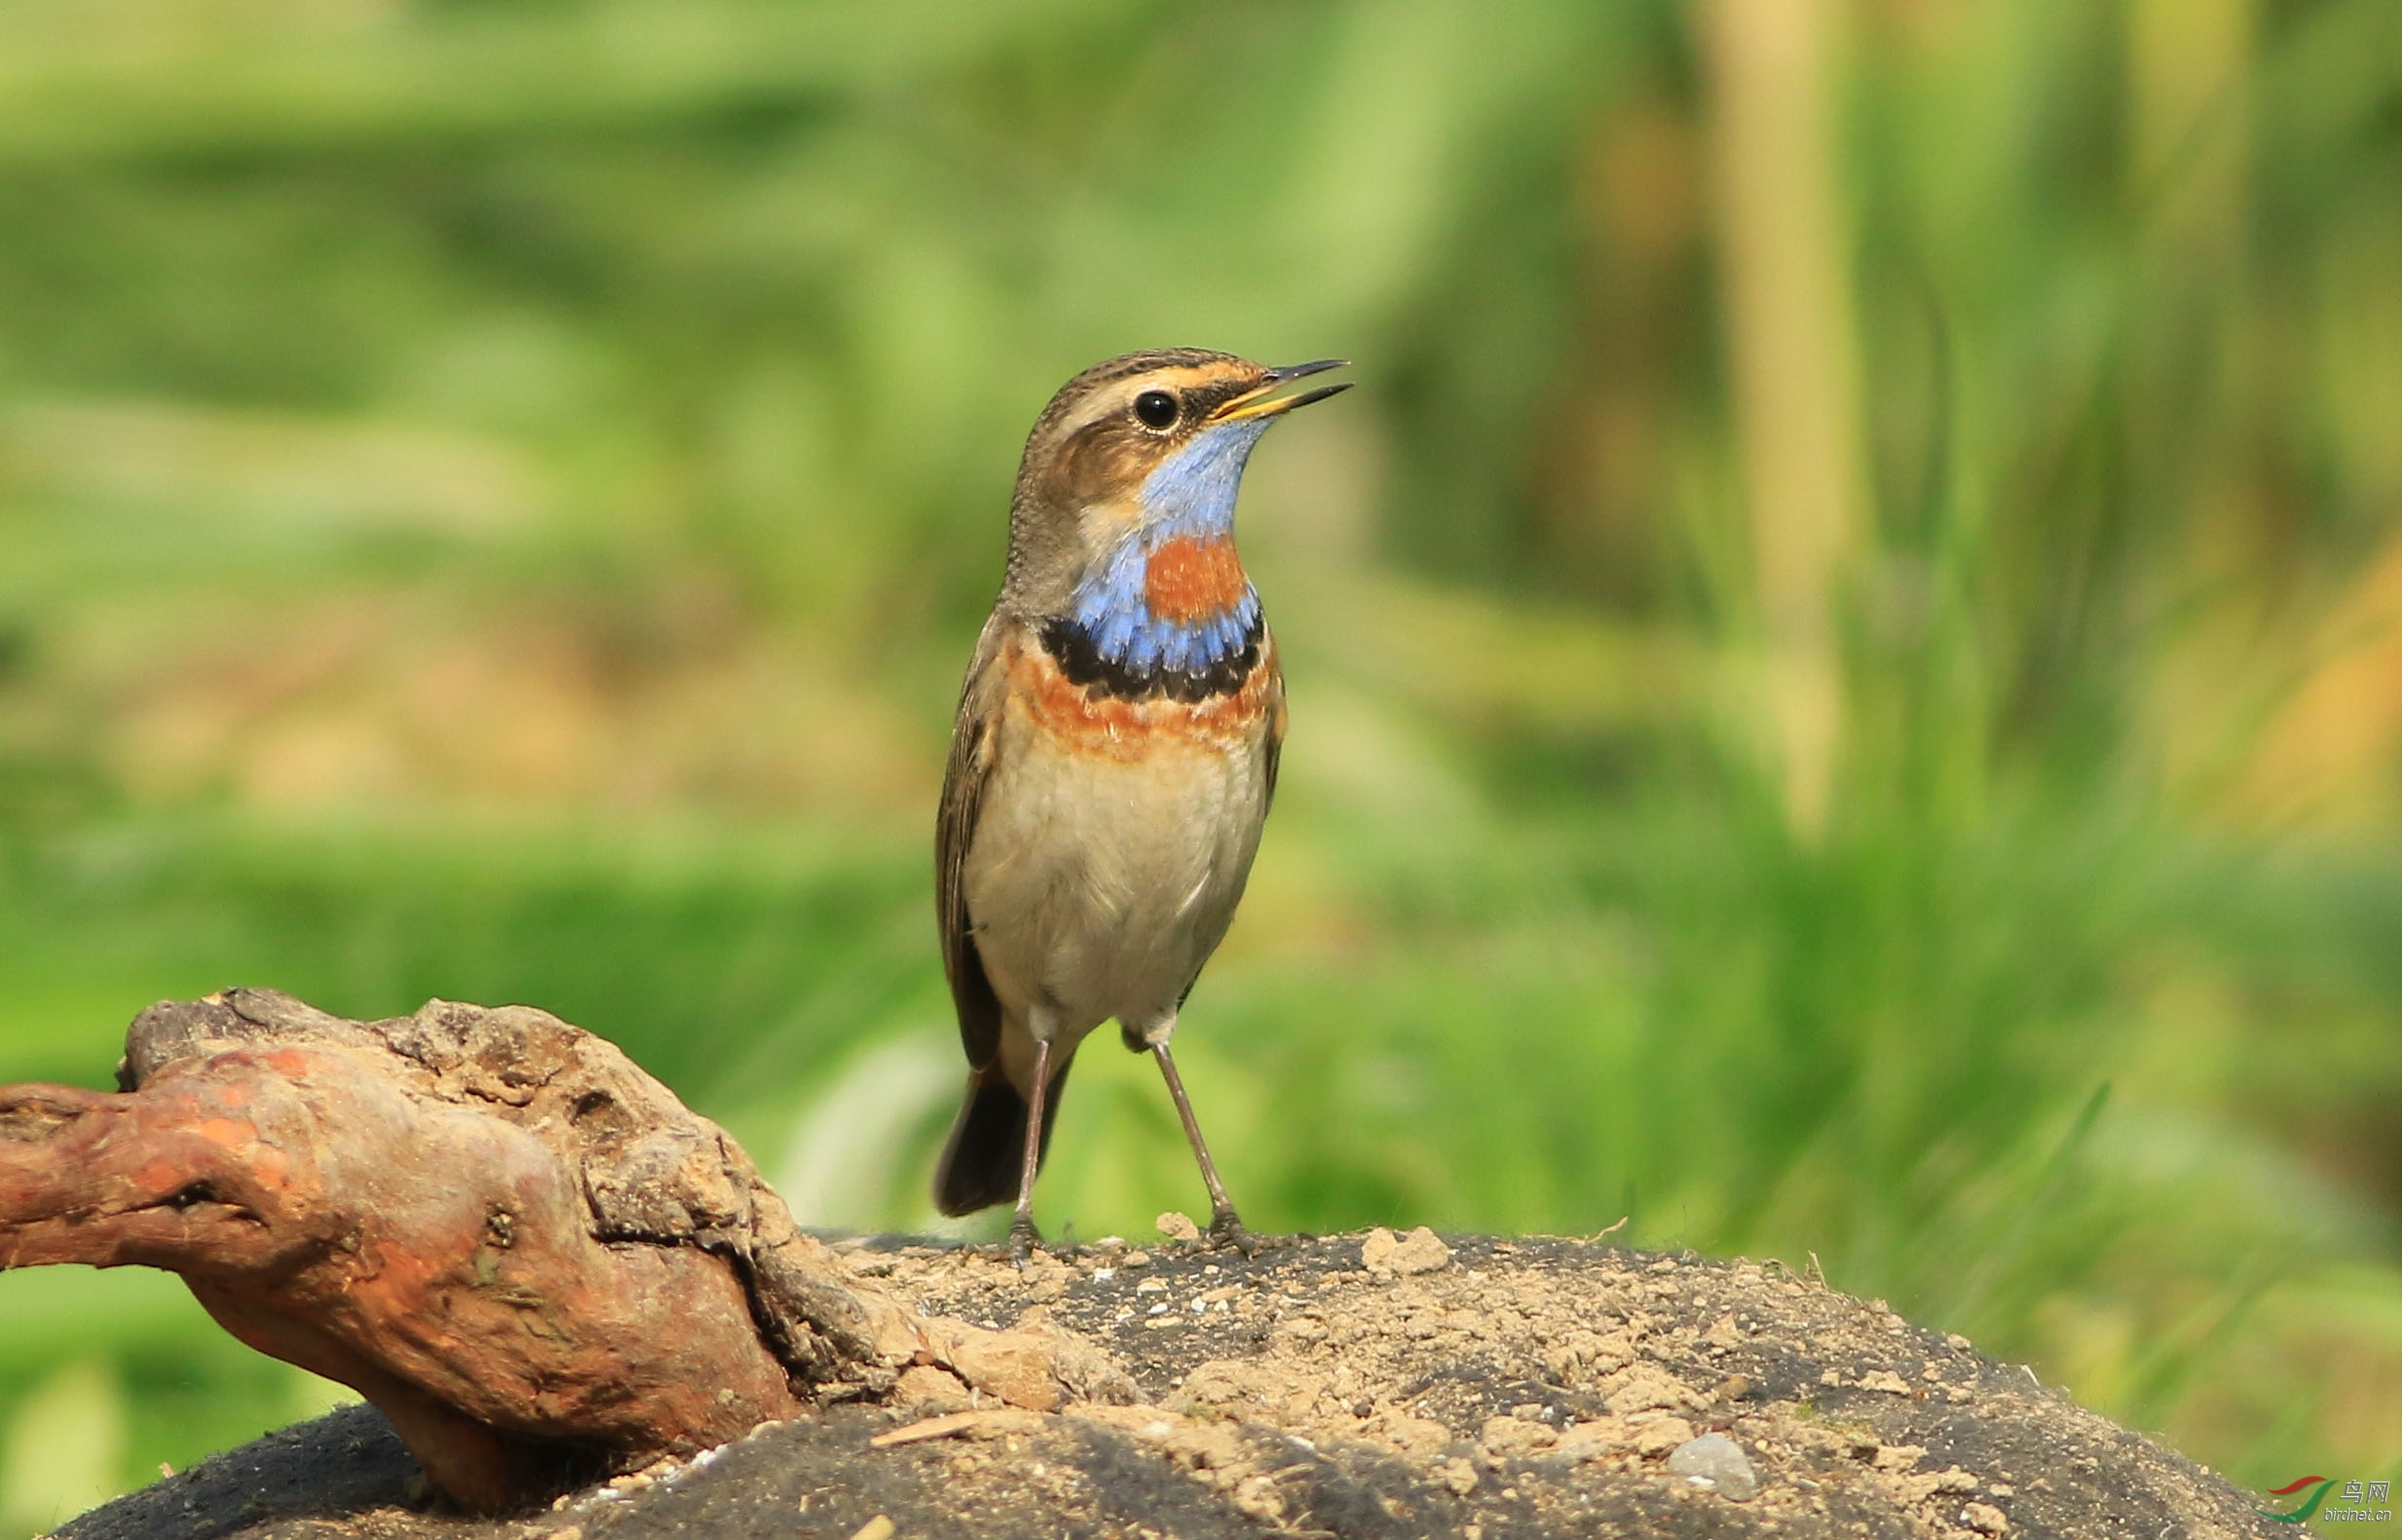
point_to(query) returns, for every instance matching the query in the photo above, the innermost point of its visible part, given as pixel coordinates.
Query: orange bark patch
(1189, 580)
(162, 1176)
(228, 1133)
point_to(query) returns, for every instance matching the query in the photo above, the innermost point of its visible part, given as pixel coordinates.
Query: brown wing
(1274, 748)
(973, 736)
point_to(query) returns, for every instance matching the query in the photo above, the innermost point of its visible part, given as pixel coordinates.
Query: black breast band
(1072, 646)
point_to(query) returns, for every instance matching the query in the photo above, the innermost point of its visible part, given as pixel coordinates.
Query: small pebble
(1716, 1462)
(1418, 1252)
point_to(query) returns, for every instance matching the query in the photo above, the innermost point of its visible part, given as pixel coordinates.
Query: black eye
(1155, 408)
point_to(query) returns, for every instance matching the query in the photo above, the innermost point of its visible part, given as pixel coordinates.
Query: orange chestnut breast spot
(1192, 580)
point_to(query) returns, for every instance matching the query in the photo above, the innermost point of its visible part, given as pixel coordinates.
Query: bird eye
(1155, 410)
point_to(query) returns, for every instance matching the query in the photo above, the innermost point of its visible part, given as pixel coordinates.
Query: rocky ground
(1352, 1386)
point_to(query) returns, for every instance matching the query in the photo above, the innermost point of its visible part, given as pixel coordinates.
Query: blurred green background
(1846, 657)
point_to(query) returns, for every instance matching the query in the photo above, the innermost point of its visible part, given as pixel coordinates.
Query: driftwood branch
(523, 1250)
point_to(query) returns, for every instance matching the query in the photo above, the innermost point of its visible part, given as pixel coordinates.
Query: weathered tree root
(534, 1260)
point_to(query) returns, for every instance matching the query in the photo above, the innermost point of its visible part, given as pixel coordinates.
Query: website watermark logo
(2320, 1498)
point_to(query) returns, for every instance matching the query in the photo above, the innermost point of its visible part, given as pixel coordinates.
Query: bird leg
(1226, 1225)
(1023, 1238)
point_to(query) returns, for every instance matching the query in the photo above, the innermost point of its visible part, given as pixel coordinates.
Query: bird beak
(1263, 401)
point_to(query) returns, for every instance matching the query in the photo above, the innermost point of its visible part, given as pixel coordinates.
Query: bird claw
(1023, 1241)
(1227, 1233)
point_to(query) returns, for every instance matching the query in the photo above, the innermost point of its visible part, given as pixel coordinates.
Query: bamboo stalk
(1787, 298)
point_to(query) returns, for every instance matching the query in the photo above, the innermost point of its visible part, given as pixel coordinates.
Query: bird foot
(1227, 1232)
(1023, 1241)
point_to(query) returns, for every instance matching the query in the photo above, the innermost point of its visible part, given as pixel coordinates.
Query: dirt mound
(1354, 1386)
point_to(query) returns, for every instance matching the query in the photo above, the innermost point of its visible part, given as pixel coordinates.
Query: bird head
(1124, 514)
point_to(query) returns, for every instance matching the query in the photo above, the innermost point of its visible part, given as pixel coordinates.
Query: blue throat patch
(1191, 494)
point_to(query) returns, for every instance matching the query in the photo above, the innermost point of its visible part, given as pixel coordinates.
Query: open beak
(1263, 401)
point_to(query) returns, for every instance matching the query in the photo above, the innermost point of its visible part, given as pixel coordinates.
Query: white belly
(1097, 885)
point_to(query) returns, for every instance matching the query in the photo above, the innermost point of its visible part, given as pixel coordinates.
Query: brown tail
(980, 1160)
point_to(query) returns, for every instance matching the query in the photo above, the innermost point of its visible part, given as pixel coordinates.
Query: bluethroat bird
(1115, 753)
